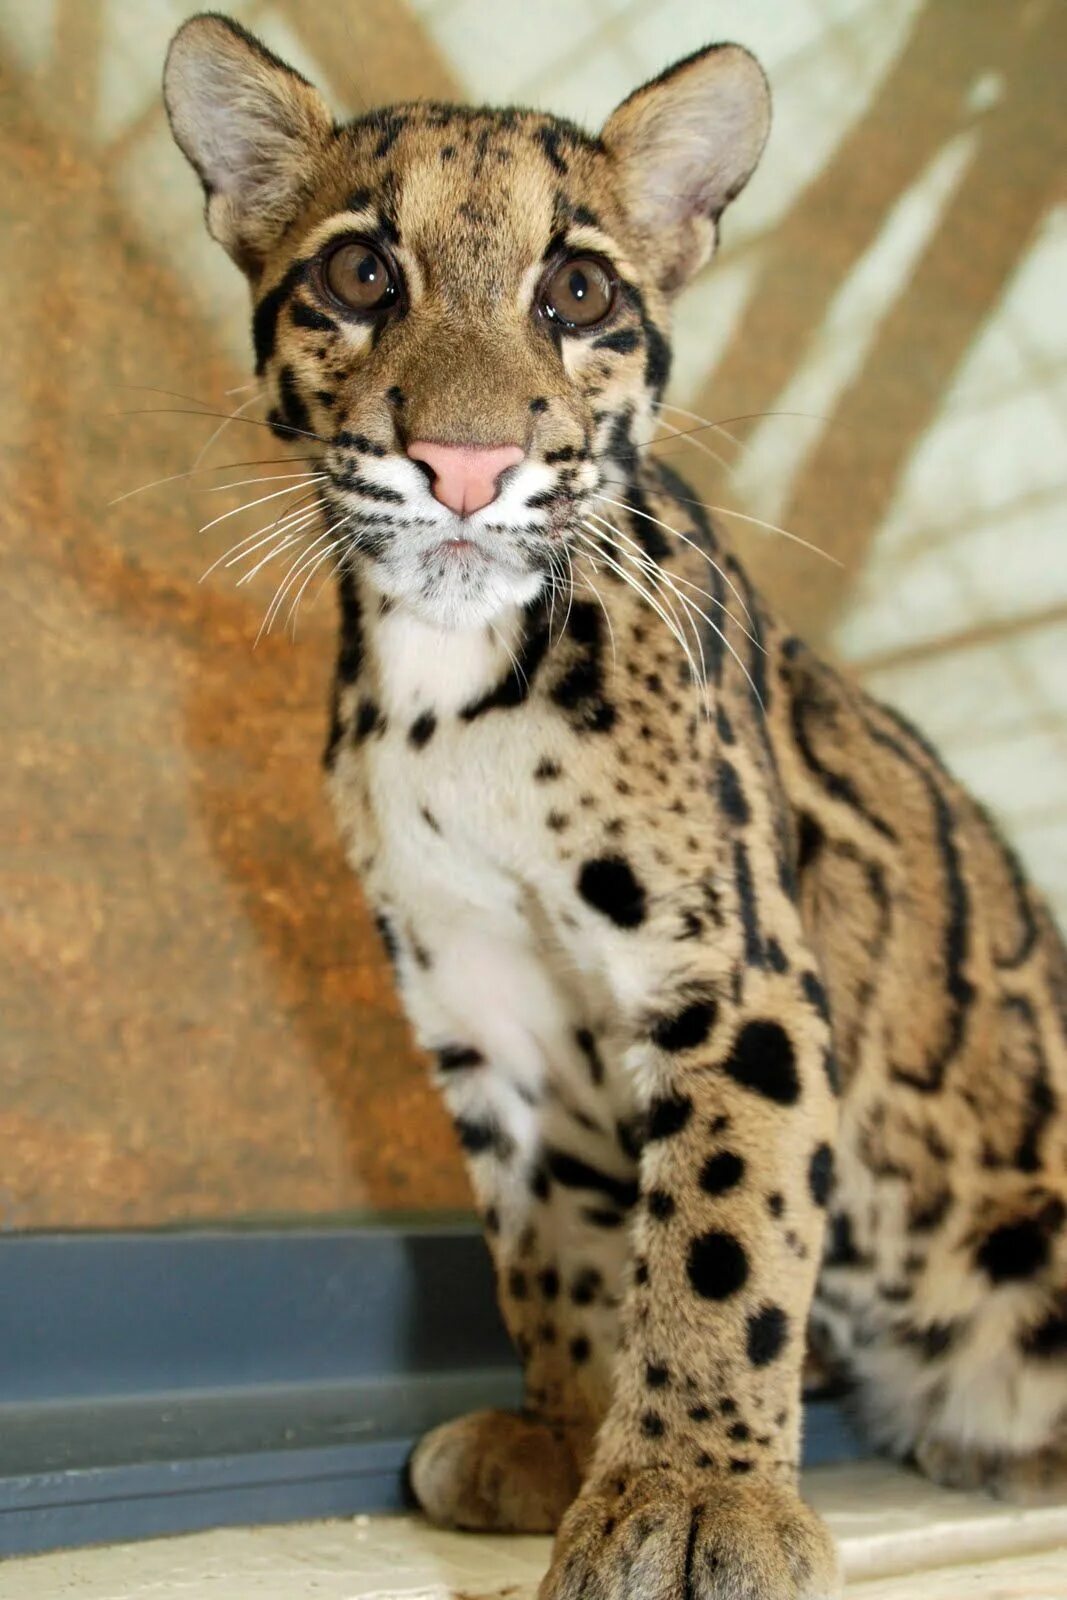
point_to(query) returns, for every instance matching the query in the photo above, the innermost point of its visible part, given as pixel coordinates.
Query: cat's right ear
(249, 125)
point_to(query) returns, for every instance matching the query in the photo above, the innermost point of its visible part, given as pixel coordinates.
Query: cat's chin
(458, 592)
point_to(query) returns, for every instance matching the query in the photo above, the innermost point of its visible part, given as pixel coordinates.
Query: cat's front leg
(692, 1489)
(554, 1187)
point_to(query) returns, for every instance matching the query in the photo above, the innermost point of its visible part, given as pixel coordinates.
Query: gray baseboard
(164, 1383)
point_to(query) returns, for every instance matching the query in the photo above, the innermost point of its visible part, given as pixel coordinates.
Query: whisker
(267, 477)
(734, 590)
(607, 618)
(290, 577)
(676, 577)
(221, 466)
(290, 621)
(772, 527)
(694, 416)
(292, 488)
(743, 416)
(285, 531)
(670, 621)
(698, 444)
(645, 563)
(226, 416)
(221, 429)
(655, 578)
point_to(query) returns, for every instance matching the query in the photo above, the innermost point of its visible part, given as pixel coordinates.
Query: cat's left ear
(685, 145)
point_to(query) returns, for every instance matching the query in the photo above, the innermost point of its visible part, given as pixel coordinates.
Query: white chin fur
(455, 591)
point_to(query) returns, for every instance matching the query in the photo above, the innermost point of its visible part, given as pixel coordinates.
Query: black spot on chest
(610, 885)
(422, 730)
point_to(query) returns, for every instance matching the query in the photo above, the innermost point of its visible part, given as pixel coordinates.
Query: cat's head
(461, 315)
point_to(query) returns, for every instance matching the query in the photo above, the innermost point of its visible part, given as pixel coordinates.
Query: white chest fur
(465, 866)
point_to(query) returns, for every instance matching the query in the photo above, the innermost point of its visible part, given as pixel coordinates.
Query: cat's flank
(750, 1026)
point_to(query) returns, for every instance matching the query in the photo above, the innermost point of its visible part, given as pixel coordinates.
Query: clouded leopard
(751, 1028)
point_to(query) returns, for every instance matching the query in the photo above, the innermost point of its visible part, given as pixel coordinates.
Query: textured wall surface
(195, 1018)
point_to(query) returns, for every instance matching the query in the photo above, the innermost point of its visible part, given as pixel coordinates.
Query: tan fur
(703, 963)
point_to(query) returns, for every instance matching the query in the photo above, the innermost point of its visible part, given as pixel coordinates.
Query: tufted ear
(249, 125)
(685, 145)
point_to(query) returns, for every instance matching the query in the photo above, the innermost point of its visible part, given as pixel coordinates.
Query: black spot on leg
(581, 1350)
(538, 404)
(660, 1205)
(657, 1376)
(768, 1330)
(610, 886)
(722, 1173)
(652, 1425)
(668, 1116)
(821, 1174)
(717, 1265)
(688, 1029)
(762, 1059)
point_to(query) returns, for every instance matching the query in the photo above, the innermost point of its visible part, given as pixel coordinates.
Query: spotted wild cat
(751, 1028)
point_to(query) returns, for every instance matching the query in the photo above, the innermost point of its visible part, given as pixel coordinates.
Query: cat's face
(461, 316)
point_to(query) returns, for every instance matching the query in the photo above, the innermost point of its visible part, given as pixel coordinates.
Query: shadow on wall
(199, 1020)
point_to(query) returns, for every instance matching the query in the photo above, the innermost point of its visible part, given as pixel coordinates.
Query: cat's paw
(496, 1472)
(657, 1538)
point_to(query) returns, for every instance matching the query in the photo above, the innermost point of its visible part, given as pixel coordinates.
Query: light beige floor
(900, 1539)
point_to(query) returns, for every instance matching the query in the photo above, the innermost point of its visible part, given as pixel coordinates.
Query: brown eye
(356, 275)
(579, 293)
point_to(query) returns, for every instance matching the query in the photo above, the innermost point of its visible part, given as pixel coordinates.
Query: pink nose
(465, 476)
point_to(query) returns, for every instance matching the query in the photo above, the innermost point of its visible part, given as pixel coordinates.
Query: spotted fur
(749, 1022)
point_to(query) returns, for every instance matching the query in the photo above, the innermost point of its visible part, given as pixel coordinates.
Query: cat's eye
(359, 277)
(579, 293)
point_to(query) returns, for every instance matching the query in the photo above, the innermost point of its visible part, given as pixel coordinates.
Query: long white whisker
(290, 488)
(694, 416)
(267, 477)
(734, 590)
(607, 618)
(676, 578)
(253, 541)
(291, 576)
(251, 401)
(221, 466)
(693, 609)
(290, 621)
(772, 527)
(669, 620)
(698, 444)
(290, 534)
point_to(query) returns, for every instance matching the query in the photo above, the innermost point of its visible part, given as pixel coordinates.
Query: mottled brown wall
(195, 1017)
